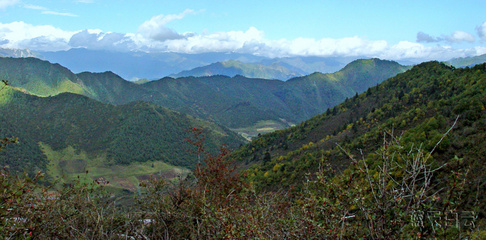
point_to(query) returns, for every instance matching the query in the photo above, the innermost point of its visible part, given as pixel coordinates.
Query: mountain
(40, 77)
(413, 143)
(135, 65)
(410, 111)
(98, 135)
(18, 53)
(240, 102)
(232, 68)
(468, 61)
(307, 65)
(248, 105)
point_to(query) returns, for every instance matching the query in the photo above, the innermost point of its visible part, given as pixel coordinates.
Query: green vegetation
(396, 200)
(66, 164)
(407, 115)
(261, 127)
(68, 133)
(234, 102)
(241, 102)
(39, 77)
(468, 61)
(404, 159)
(232, 68)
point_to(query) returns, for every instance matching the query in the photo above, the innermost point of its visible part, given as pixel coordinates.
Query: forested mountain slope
(234, 102)
(115, 135)
(232, 68)
(239, 101)
(417, 107)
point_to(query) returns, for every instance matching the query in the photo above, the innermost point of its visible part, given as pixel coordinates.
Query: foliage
(422, 102)
(234, 102)
(233, 67)
(393, 194)
(136, 132)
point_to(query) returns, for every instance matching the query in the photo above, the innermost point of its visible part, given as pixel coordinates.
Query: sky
(396, 30)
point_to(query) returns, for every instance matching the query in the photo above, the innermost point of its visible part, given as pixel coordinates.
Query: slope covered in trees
(232, 101)
(232, 68)
(414, 108)
(240, 101)
(411, 145)
(403, 160)
(118, 135)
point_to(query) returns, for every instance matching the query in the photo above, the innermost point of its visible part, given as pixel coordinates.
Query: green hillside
(247, 105)
(410, 148)
(403, 160)
(467, 61)
(242, 102)
(40, 77)
(417, 107)
(108, 87)
(101, 135)
(232, 68)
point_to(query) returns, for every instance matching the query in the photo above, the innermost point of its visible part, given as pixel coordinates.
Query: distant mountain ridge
(232, 68)
(233, 102)
(18, 53)
(467, 61)
(135, 65)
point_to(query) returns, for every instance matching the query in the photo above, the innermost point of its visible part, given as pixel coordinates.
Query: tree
(5, 141)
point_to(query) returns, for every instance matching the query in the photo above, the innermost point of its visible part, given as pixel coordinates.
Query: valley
(242, 120)
(311, 136)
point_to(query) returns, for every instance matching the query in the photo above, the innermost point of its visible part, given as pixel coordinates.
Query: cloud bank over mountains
(153, 35)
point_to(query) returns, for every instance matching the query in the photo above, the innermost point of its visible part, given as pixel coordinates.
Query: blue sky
(398, 30)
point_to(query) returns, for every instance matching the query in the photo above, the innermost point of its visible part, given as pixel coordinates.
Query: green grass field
(261, 127)
(69, 163)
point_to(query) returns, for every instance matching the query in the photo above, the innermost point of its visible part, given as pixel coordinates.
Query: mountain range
(68, 134)
(136, 65)
(232, 68)
(374, 136)
(467, 61)
(68, 122)
(415, 108)
(236, 102)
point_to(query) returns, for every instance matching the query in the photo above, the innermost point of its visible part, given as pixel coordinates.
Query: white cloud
(154, 36)
(481, 29)
(59, 13)
(95, 39)
(155, 27)
(40, 37)
(35, 7)
(455, 37)
(7, 3)
(460, 36)
(85, 1)
(45, 10)
(213, 42)
(424, 37)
